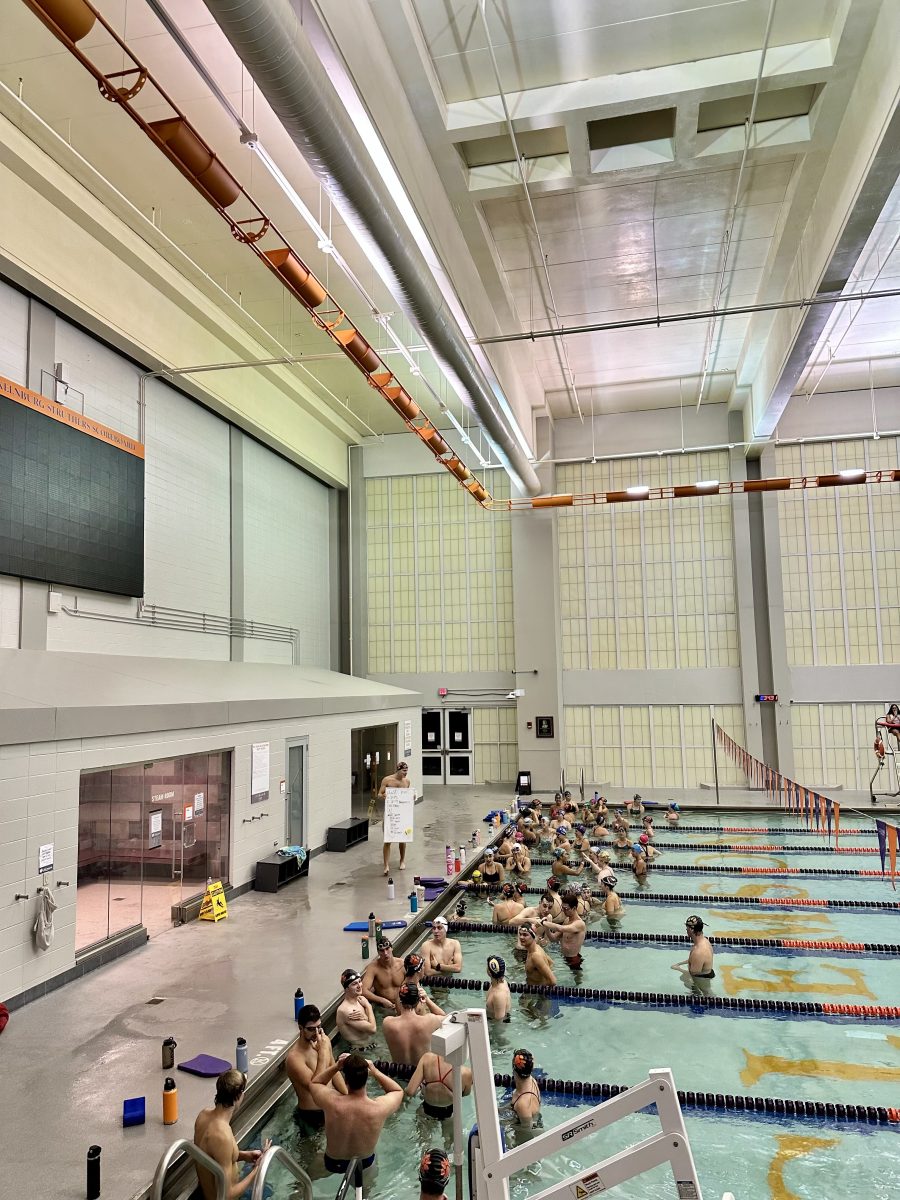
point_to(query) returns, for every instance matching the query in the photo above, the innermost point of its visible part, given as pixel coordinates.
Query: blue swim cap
(638, 848)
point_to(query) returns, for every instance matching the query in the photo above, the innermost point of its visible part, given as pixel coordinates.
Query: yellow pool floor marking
(723, 888)
(816, 926)
(790, 1147)
(758, 1065)
(785, 981)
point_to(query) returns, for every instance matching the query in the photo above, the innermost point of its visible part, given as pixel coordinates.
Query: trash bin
(523, 783)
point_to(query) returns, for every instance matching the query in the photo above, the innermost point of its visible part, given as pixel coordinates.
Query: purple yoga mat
(204, 1064)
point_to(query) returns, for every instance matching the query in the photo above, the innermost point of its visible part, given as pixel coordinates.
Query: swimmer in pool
(639, 862)
(622, 839)
(519, 862)
(434, 1075)
(499, 998)
(408, 1034)
(648, 827)
(699, 963)
(535, 913)
(526, 1099)
(569, 932)
(509, 905)
(301, 1065)
(672, 813)
(353, 1123)
(354, 1016)
(612, 905)
(552, 885)
(561, 867)
(538, 969)
(413, 970)
(491, 870)
(650, 850)
(442, 954)
(435, 1172)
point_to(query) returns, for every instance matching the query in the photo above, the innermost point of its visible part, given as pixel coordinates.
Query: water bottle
(168, 1053)
(170, 1103)
(371, 924)
(474, 838)
(93, 1173)
(390, 888)
(378, 932)
(462, 854)
(298, 1003)
(457, 865)
(413, 902)
(241, 1058)
(420, 895)
(365, 946)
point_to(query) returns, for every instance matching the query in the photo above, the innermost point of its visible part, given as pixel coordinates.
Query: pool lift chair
(465, 1035)
(889, 760)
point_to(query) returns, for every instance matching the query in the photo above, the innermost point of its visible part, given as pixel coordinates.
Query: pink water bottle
(449, 860)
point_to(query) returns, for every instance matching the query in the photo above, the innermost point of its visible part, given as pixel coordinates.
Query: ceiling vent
(634, 140)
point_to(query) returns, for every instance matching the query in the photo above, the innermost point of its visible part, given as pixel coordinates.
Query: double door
(447, 750)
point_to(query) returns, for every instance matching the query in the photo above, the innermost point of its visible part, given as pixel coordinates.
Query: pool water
(844, 1060)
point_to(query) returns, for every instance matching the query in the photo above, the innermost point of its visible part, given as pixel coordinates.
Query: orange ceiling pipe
(638, 493)
(70, 21)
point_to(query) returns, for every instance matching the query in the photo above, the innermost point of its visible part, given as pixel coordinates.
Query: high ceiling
(641, 201)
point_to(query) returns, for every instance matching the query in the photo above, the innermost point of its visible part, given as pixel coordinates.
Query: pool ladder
(273, 1154)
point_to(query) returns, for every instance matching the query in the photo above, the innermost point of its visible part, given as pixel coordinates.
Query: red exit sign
(766, 699)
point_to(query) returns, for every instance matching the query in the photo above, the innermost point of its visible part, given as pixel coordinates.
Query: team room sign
(398, 814)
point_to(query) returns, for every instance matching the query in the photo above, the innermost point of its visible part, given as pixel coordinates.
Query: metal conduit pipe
(272, 43)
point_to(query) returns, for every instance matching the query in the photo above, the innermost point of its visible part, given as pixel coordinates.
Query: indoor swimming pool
(821, 1058)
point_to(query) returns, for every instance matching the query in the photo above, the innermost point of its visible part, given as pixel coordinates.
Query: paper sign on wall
(399, 804)
(188, 813)
(155, 839)
(407, 739)
(259, 772)
(199, 803)
(45, 858)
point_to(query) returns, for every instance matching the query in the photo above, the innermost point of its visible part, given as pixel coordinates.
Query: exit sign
(442, 691)
(766, 699)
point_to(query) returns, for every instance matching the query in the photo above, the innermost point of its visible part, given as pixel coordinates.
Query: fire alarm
(442, 692)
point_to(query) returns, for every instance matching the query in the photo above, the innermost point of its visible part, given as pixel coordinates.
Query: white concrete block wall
(10, 611)
(107, 380)
(39, 786)
(286, 556)
(13, 334)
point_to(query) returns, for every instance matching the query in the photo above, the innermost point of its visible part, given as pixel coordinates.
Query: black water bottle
(168, 1053)
(93, 1173)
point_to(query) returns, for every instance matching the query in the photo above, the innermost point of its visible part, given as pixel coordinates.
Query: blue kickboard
(362, 926)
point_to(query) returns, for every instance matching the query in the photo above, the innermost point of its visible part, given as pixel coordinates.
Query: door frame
(302, 743)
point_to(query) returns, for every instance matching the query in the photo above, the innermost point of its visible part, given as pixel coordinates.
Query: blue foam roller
(362, 926)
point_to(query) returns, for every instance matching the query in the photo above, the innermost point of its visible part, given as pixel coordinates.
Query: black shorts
(705, 975)
(440, 1112)
(312, 1118)
(337, 1166)
(575, 961)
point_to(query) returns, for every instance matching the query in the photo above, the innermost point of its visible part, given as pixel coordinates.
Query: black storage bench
(277, 870)
(347, 833)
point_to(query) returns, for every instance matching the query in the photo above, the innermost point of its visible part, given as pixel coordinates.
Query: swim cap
(496, 966)
(523, 1063)
(434, 1172)
(517, 837)
(562, 827)
(529, 929)
(409, 995)
(476, 875)
(609, 881)
(694, 924)
(439, 921)
(461, 908)
(489, 853)
(413, 963)
(349, 976)
(638, 848)
(558, 852)
(508, 891)
(581, 828)
(604, 855)
(644, 839)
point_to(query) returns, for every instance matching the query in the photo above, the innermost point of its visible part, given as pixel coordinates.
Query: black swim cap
(694, 924)
(508, 891)
(496, 966)
(413, 963)
(434, 1172)
(523, 1063)
(409, 995)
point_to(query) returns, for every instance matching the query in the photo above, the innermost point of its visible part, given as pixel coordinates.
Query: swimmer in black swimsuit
(699, 963)
(434, 1075)
(526, 1101)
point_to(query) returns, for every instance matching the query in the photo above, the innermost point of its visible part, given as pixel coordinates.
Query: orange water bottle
(170, 1101)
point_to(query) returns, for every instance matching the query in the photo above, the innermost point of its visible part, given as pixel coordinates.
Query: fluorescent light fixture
(638, 493)
(707, 485)
(853, 473)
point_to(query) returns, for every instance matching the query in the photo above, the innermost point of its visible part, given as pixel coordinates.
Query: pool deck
(69, 1059)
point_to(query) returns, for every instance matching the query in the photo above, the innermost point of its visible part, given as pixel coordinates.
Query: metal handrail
(279, 1154)
(183, 1146)
(354, 1173)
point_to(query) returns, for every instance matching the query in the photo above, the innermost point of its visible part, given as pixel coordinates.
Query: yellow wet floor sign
(214, 907)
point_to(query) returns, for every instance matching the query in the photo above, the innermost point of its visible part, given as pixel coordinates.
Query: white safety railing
(465, 1035)
(201, 1159)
